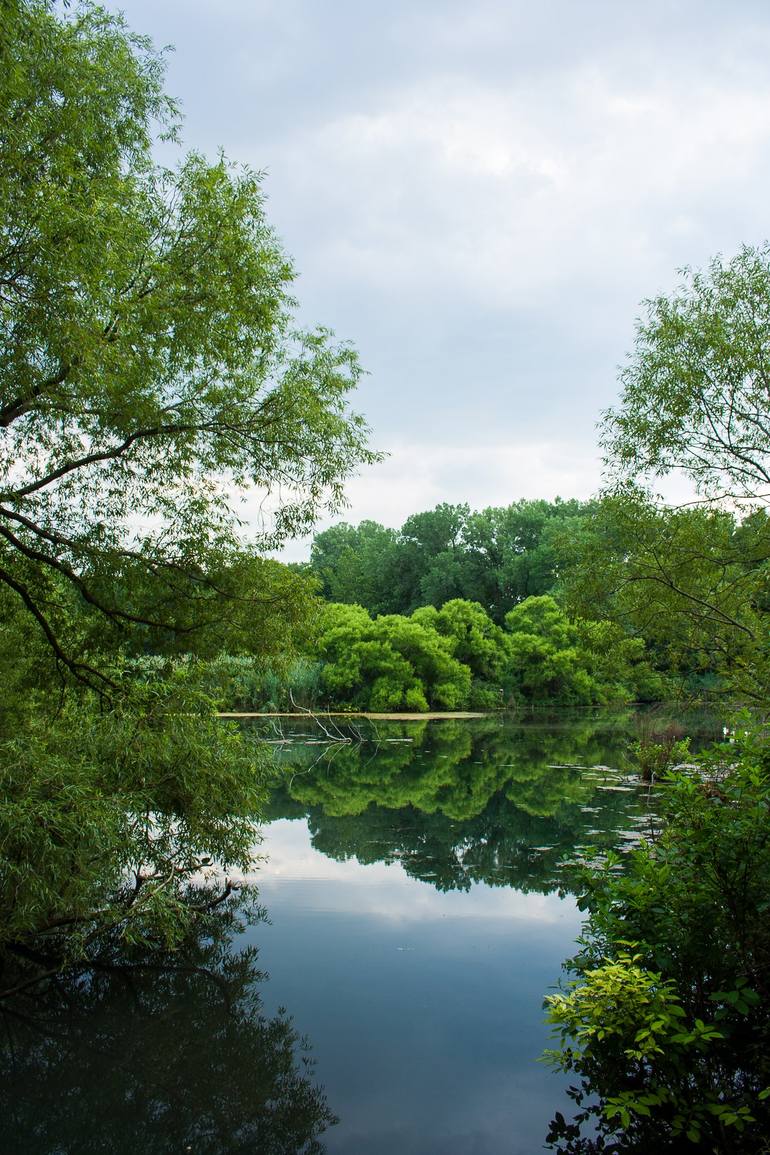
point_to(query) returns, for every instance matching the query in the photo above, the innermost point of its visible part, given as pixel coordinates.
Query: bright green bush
(389, 663)
(584, 662)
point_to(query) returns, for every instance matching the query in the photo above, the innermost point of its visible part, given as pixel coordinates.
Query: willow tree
(696, 401)
(151, 374)
(151, 369)
(666, 1023)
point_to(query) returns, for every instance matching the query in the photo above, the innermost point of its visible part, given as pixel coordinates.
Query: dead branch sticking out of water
(338, 737)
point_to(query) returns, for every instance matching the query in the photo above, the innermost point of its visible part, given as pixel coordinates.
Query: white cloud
(417, 477)
(509, 194)
(479, 197)
(377, 890)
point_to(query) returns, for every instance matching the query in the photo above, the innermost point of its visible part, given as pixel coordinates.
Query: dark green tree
(496, 557)
(517, 551)
(358, 565)
(691, 582)
(431, 555)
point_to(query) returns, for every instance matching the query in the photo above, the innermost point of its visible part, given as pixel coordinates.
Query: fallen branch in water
(339, 737)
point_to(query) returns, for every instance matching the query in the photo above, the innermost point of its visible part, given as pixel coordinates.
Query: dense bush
(450, 658)
(667, 1022)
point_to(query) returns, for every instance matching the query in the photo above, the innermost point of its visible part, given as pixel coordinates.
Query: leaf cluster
(152, 372)
(674, 968)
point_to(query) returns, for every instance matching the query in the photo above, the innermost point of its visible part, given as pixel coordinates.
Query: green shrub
(667, 1022)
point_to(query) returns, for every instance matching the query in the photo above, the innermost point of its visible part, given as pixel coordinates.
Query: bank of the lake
(391, 716)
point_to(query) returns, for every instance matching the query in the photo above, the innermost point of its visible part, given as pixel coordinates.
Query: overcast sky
(479, 196)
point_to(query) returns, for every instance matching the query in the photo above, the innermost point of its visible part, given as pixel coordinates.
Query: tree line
(614, 599)
(452, 658)
(496, 557)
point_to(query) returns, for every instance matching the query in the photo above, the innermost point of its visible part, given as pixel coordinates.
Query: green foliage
(390, 663)
(247, 683)
(496, 557)
(624, 1016)
(692, 907)
(620, 663)
(695, 389)
(542, 617)
(521, 547)
(243, 604)
(152, 374)
(581, 662)
(106, 814)
(152, 365)
(657, 751)
(478, 642)
(663, 601)
(691, 582)
(356, 564)
(456, 656)
(667, 1022)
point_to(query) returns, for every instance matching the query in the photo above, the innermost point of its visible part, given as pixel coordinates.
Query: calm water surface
(419, 883)
(419, 889)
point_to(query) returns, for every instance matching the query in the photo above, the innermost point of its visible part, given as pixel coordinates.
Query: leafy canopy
(151, 374)
(666, 1022)
(151, 370)
(695, 390)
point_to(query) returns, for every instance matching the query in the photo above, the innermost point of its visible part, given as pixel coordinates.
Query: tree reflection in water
(495, 800)
(157, 1052)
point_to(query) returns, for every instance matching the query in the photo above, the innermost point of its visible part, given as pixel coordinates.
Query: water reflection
(420, 980)
(410, 878)
(157, 1053)
(493, 801)
(424, 1006)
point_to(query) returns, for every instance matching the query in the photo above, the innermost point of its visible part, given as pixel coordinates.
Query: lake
(419, 883)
